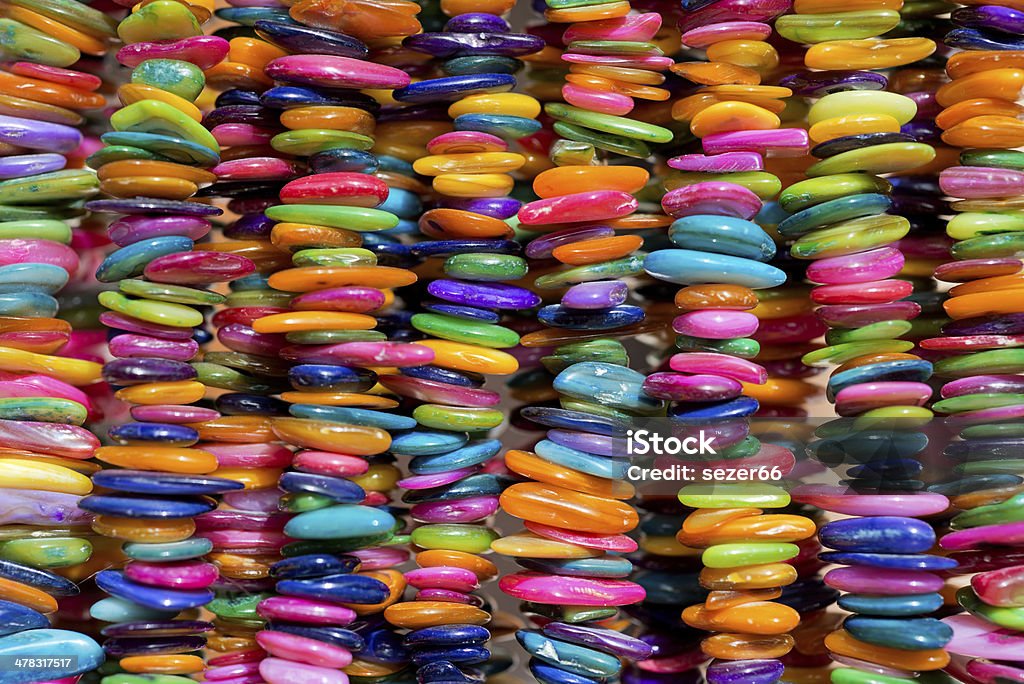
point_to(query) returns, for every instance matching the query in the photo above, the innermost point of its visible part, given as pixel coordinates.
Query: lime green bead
(763, 184)
(164, 313)
(876, 159)
(841, 353)
(1010, 466)
(259, 298)
(463, 330)
(308, 141)
(236, 606)
(993, 430)
(616, 47)
(43, 409)
(602, 351)
(53, 552)
(154, 116)
(10, 212)
(359, 219)
(1004, 159)
(457, 418)
(813, 191)
(572, 152)
(159, 20)
(850, 102)
(977, 402)
(609, 142)
(734, 495)
(743, 347)
(818, 28)
(485, 267)
(74, 14)
(1010, 510)
(1009, 618)
(300, 502)
(608, 270)
(59, 186)
(847, 675)
(173, 75)
(991, 362)
(850, 237)
(989, 247)
(883, 330)
(454, 537)
(607, 123)
(335, 336)
(223, 377)
(739, 555)
(972, 224)
(22, 42)
(343, 256)
(178, 294)
(55, 231)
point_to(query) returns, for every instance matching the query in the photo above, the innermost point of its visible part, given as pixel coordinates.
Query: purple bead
(821, 83)
(243, 339)
(983, 383)
(495, 207)
(609, 641)
(601, 294)
(147, 205)
(131, 229)
(679, 387)
(1007, 324)
(255, 115)
(477, 22)
(541, 248)
(45, 509)
(119, 321)
(141, 371)
(468, 510)
(991, 17)
(142, 346)
(250, 227)
(160, 628)
(745, 672)
(734, 10)
(152, 645)
(39, 135)
(449, 44)
(602, 445)
(635, 676)
(488, 295)
(21, 165)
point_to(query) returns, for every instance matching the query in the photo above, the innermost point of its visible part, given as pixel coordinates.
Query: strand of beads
(45, 542)
(469, 167)
(154, 161)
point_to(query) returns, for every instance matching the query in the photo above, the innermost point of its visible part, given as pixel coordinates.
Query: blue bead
(607, 640)
(160, 598)
(136, 506)
(468, 313)
(168, 551)
(569, 657)
(450, 43)
(402, 203)
(313, 565)
(343, 521)
(309, 376)
(343, 160)
(248, 16)
(468, 456)
(467, 655)
(445, 375)
(15, 617)
(297, 38)
(887, 468)
(442, 673)
(354, 416)
(170, 484)
(68, 654)
(740, 407)
(130, 261)
(446, 248)
(482, 484)
(28, 305)
(576, 420)
(336, 636)
(446, 635)
(559, 316)
(688, 267)
(501, 125)
(574, 459)
(606, 383)
(287, 97)
(808, 595)
(891, 606)
(153, 432)
(383, 646)
(977, 483)
(33, 277)
(240, 404)
(918, 634)
(723, 235)
(896, 561)
(881, 534)
(237, 96)
(975, 39)
(549, 674)
(907, 370)
(454, 88)
(608, 567)
(335, 488)
(833, 211)
(337, 588)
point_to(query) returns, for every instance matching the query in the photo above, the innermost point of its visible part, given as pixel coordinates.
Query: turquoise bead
(173, 75)
(28, 305)
(114, 609)
(426, 442)
(353, 416)
(69, 652)
(688, 267)
(891, 606)
(613, 386)
(45, 278)
(723, 235)
(911, 635)
(600, 466)
(574, 658)
(130, 261)
(169, 551)
(834, 211)
(340, 522)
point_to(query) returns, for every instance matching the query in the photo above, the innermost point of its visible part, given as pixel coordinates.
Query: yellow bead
(474, 184)
(72, 371)
(182, 392)
(531, 545)
(46, 477)
(507, 104)
(732, 116)
(868, 54)
(750, 54)
(469, 357)
(852, 102)
(854, 124)
(472, 163)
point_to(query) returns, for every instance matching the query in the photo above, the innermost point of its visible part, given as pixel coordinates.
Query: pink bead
(983, 383)
(883, 581)
(979, 638)
(719, 364)
(66, 77)
(279, 671)
(203, 51)
(199, 268)
(380, 558)
(435, 479)
(840, 499)
(1007, 534)
(471, 509)
(706, 36)
(338, 188)
(602, 101)
(448, 596)
(232, 134)
(166, 413)
(183, 575)
(634, 27)
(719, 198)
(466, 142)
(595, 205)
(615, 543)
(128, 230)
(255, 168)
(862, 293)
(980, 182)
(780, 142)
(863, 267)
(362, 354)
(678, 387)
(225, 519)
(716, 324)
(42, 386)
(263, 500)
(141, 346)
(249, 455)
(571, 591)
(435, 392)
(329, 463)
(453, 579)
(986, 672)
(224, 540)
(304, 610)
(650, 63)
(332, 71)
(727, 162)
(351, 299)
(22, 251)
(215, 674)
(303, 650)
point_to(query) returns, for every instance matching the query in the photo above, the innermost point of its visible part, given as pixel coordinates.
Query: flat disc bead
(715, 198)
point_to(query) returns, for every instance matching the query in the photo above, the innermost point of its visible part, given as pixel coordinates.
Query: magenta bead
(305, 610)
(715, 324)
(711, 197)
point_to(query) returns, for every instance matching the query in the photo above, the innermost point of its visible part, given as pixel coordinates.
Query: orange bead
(447, 224)
(781, 391)
(253, 52)
(996, 283)
(149, 186)
(239, 429)
(622, 74)
(144, 530)
(563, 180)
(394, 580)
(852, 124)
(163, 664)
(842, 643)
(755, 55)
(703, 520)
(144, 167)
(742, 647)
(297, 236)
(168, 459)
(982, 106)
(971, 62)
(560, 507)
(325, 435)
(998, 84)
(419, 614)
(295, 321)
(469, 357)
(237, 566)
(534, 467)
(734, 297)
(444, 558)
(571, 15)
(49, 92)
(130, 93)
(760, 617)
(251, 478)
(724, 117)
(313, 278)
(777, 528)
(27, 596)
(181, 392)
(363, 19)
(716, 73)
(332, 118)
(1001, 132)
(89, 44)
(985, 304)
(598, 250)
(723, 600)
(767, 576)
(868, 54)
(454, 8)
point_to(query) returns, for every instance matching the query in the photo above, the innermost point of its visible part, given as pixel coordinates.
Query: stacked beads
(45, 468)
(154, 162)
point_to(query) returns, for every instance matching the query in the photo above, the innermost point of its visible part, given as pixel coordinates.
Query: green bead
(991, 362)
(55, 231)
(876, 159)
(608, 270)
(178, 294)
(335, 336)
(259, 298)
(743, 347)
(222, 377)
(841, 353)
(359, 219)
(169, 551)
(251, 363)
(22, 42)
(125, 678)
(1010, 618)
(153, 116)
(345, 256)
(308, 141)
(572, 153)
(160, 20)
(300, 502)
(455, 537)
(1014, 466)
(849, 237)
(59, 186)
(616, 47)
(457, 418)
(977, 402)
(164, 313)
(848, 675)
(812, 191)
(883, 330)
(734, 495)
(590, 407)
(9, 212)
(763, 184)
(989, 247)
(173, 75)
(1004, 159)
(751, 553)
(607, 123)
(609, 142)
(464, 330)
(74, 14)
(563, 4)
(59, 552)
(818, 28)
(602, 351)
(236, 606)
(972, 224)
(43, 409)
(113, 153)
(993, 430)
(485, 267)
(1010, 510)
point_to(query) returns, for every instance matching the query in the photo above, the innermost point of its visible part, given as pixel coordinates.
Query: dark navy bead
(878, 534)
(52, 584)
(891, 606)
(606, 640)
(896, 561)
(501, 125)
(123, 647)
(993, 448)
(342, 159)
(297, 38)
(848, 143)
(335, 488)
(477, 22)
(494, 64)
(900, 467)
(310, 376)
(469, 313)
(140, 506)
(469, 655)
(337, 636)
(446, 635)
(15, 618)
(443, 672)
(808, 595)
(157, 628)
(740, 407)
(482, 484)
(575, 420)
(255, 115)
(454, 88)
(549, 674)
(438, 374)
(383, 646)
(237, 96)
(153, 432)
(975, 39)
(821, 83)
(239, 404)
(918, 634)
(170, 484)
(337, 589)
(976, 483)
(313, 565)
(287, 97)
(160, 598)
(559, 316)
(468, 456)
